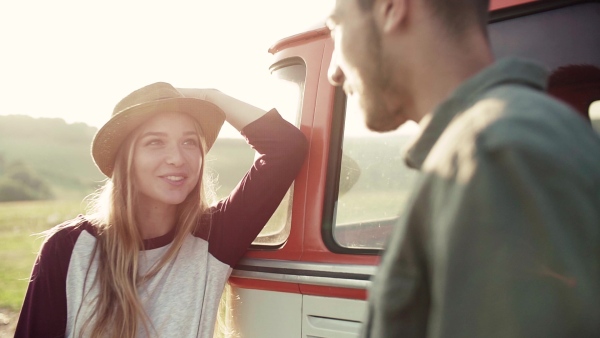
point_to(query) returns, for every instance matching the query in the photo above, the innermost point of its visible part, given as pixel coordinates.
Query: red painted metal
(325, 291)
(500, 4)
(305, 242)
(258, 284)
(318, 31)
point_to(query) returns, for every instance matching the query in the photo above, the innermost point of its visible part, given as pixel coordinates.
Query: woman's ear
(390, 14)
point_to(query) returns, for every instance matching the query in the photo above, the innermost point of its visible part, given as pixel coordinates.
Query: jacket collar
(510, 70)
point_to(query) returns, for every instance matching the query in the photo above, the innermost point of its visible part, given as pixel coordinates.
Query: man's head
(457, 15)
(378, 49)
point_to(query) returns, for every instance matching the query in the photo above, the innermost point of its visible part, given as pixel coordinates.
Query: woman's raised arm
(238, 113)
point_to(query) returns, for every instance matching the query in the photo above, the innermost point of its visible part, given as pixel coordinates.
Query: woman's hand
(198, 93)
(238, 113)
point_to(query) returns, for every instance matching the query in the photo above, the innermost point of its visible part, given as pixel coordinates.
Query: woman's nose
(174, 156)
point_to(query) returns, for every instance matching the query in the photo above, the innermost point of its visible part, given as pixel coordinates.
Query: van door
(314, 283)
(308, 275)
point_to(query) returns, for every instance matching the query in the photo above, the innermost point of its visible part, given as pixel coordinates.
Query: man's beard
(376, 83)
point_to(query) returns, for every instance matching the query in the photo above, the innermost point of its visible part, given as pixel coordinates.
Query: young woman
(152, 258)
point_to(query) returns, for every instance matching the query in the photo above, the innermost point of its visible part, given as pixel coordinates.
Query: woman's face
(166, 160)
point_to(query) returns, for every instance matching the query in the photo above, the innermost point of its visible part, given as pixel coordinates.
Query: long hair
(118, 311)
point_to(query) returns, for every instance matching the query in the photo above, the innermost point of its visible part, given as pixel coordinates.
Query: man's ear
(390, 14)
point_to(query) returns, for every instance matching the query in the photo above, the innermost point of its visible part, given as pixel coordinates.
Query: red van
(308, 272)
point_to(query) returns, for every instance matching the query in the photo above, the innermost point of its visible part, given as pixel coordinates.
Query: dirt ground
(8, 322)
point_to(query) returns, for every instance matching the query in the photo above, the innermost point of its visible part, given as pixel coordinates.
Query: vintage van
(308, 272)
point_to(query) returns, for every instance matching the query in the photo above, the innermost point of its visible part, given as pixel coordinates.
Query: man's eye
(331, 26)
(331, 31)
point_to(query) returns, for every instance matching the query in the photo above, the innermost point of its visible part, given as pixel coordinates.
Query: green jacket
(502, 235)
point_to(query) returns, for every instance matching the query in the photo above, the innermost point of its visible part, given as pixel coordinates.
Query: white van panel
(332, 317)
(264, 314)
(269, 314)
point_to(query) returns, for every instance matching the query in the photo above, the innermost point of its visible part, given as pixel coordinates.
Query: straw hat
(142, 104)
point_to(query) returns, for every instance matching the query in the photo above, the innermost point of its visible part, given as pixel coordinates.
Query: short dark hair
(456, 14)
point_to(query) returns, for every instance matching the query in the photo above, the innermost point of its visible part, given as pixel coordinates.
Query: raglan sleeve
(44, 310)
(281, 149)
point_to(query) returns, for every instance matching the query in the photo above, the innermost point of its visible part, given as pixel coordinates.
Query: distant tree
(56, 151)
(2, 164)
(14, 191)
(56, 129)
(19, 182)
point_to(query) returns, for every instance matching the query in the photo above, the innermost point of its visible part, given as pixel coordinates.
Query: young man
(502, 236)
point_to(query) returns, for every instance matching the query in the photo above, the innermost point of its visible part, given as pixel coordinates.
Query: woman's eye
(153, 142)
(191, 142)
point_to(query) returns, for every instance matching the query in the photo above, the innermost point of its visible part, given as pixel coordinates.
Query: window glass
(231, 157)
(374, 182)
(571, 41)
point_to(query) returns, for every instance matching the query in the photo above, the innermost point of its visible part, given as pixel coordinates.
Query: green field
(19, 224)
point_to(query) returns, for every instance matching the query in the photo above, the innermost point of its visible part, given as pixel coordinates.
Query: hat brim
(109, 138)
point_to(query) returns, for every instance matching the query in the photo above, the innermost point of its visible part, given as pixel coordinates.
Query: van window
(230, 157)
(287, 90)
(374, 182)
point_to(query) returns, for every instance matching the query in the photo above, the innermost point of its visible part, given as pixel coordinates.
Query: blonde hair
(118, 310)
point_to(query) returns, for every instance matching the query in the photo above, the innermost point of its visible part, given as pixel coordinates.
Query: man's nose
(335, 73)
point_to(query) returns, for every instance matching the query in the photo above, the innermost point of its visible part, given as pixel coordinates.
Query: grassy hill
(60, 153)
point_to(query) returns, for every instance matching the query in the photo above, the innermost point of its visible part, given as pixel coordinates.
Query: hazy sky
(76, 59)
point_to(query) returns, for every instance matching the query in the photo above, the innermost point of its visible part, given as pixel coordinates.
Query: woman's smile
(167, 159)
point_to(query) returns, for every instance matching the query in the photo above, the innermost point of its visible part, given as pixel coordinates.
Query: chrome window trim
(322, 274)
